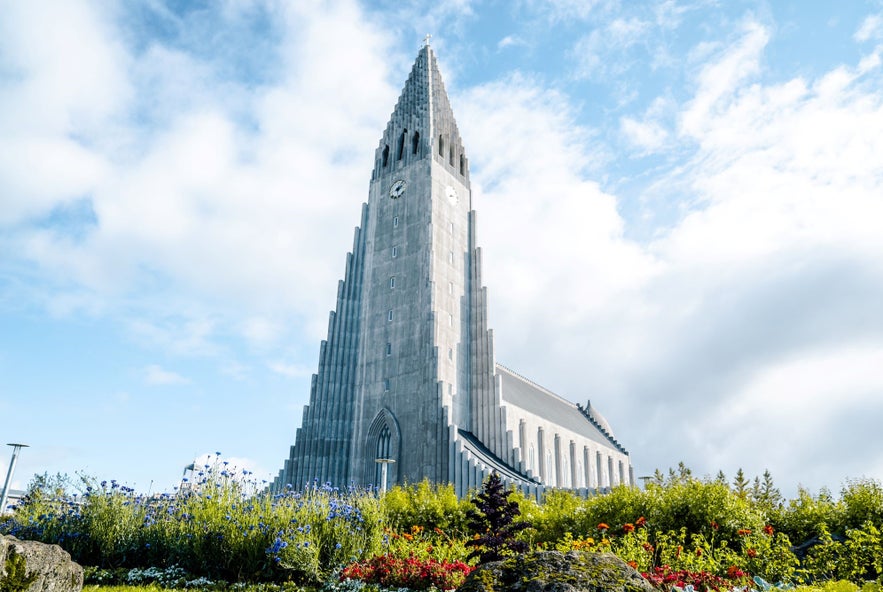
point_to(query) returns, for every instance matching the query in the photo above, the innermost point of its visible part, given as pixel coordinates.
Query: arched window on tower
(462, 165)
(451, 156)
(441, 145)
(382, 450)
(385, 155)
(415, 142)
(401, 148)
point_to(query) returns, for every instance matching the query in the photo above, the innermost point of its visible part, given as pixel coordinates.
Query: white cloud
(717, 80)
(770, 270)
(509, 41)
(603, 51)
(647, 135)
(871, 28)
(229, 212)
(156, 375)
(291, 370)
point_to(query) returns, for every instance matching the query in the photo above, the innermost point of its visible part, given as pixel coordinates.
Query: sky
(679, 202)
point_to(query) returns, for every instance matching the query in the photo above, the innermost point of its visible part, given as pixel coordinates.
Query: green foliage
(16, 578)
(427, 505)
(804, 516)
(862, 501)
(224, 529)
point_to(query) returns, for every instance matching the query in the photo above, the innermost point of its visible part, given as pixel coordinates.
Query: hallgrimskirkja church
(407, 386)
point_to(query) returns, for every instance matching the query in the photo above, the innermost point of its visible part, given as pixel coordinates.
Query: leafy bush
(224, 529)
(427, 505)
(493, 524)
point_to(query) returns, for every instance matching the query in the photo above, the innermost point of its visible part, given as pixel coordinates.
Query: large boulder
(553, 571)
(48, 566)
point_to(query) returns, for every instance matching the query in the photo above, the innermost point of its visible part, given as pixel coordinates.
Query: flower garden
(681, 531)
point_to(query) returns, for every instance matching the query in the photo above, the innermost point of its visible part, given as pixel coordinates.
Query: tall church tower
(407, 373)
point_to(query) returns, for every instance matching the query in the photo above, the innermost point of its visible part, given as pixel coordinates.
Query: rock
(52, 566)
(553, 571)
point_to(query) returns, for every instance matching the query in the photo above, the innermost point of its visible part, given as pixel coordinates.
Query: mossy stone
(553, 571)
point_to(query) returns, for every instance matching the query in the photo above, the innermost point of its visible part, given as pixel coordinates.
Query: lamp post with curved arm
(15, 449)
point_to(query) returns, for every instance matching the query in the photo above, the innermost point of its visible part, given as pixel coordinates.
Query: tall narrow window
(462, 165)
(450, 320)
(389, 315)
(451, 228)
(401, 148)
(450, 353)
(386, 385)
(392, 282)
(382, 450)
(441, 145)
(451, 257)
(388, 348)
(385, 155)
(450, 287)
(415, 142)
(395, 221)
(395, 252)
(451, 156)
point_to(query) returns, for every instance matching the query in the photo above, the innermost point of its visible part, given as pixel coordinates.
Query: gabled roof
(523, 393)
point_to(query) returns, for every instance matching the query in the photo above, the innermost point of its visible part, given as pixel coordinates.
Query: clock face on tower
(451, 194)
(397, 189)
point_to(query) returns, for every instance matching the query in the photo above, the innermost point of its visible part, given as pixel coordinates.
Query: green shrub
(16, 578)
(427, 505)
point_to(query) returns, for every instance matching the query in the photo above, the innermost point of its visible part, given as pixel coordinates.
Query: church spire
(422, 123)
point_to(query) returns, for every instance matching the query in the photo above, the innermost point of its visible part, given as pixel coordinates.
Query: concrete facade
(407, 372)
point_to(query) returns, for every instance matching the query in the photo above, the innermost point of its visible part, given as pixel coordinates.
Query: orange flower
(678, 555)
(752, 553)
(768, 530)
(407, 537)
(743, 531)
(641, 522)
(603, 526)
(648, 547)
(628, 527)
(633, 564)
(715, 525)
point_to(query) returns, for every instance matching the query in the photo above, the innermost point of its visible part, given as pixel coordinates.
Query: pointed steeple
(422, 123)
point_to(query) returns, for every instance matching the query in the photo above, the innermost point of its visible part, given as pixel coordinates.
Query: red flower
(641, 522)
(743, 531)
(698, 551)
(734, 573)
(768, 530)
(715, 525)
(752, 553)
(628, 527)
(603, 526)
(648, 547)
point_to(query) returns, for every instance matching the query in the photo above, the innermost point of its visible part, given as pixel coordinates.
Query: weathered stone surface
(553, 571)
(55, 570)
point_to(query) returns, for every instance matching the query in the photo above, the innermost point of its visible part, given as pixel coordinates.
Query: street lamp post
(15, 449)
(384, 463)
